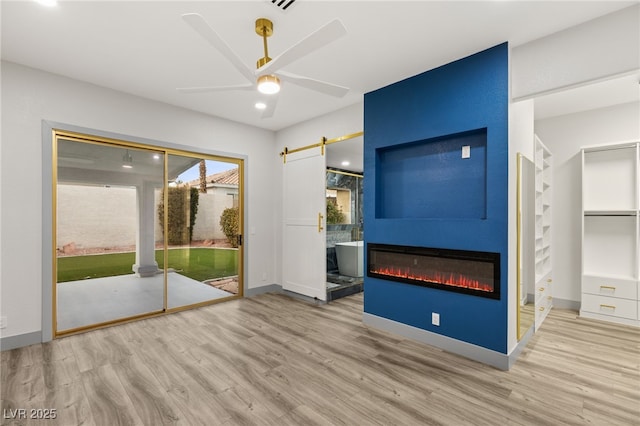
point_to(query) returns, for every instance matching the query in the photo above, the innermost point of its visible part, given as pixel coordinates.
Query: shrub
(195, 199)
(182, 199)
(230, 224)
(334, 214)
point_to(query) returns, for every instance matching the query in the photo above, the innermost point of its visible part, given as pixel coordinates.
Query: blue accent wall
(406, 125)
(423, 179)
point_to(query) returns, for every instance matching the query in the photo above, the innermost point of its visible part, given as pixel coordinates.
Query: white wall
(520, 141)
(564, 136)
(210, 208)
(594, 50)
(339, 123)
(30, 96)
(85, 220)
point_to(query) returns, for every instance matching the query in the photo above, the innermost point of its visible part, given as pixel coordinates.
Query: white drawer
(545, 302)
(542, 308)
(612, 287)
(543, 289)
(612, 306)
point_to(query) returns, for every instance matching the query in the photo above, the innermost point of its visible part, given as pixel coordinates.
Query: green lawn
(197, 263)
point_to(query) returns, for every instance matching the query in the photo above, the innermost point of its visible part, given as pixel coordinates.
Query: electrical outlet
(435, 318)
(3, 322)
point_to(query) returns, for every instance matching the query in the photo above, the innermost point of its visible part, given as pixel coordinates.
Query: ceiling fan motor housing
(264, 27)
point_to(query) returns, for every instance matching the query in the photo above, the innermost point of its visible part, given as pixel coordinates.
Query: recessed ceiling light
(127, 160)
(156, 156)
(345, 163)
(260, 105)
(48, 3)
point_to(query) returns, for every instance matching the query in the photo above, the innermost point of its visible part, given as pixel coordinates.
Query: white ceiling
(146, 49)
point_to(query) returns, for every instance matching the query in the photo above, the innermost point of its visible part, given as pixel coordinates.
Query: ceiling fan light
(268, 84)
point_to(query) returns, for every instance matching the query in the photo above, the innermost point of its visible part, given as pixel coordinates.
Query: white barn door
(304, 269)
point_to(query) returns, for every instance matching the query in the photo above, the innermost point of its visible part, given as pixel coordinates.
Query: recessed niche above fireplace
(437, 178)
(462, 271)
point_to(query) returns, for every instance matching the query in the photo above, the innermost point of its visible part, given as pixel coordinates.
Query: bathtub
(350, 258)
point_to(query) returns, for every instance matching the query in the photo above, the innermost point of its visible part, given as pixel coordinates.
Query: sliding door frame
(51, 133)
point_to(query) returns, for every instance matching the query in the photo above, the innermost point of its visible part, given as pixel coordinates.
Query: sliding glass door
(202, 231)
(141, 230)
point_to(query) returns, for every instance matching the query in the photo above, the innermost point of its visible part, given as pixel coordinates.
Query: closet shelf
(610, 234)
(623, 212)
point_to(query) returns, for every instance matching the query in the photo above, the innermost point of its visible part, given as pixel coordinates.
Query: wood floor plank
(196, 403)
(109, 401)
(22, 376)
(145, 392)
(71, 405)
(274, 360)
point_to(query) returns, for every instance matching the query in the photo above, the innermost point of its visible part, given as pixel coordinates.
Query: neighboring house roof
(228, 177)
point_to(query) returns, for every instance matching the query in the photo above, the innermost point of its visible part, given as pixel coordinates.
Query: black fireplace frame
(478, 256)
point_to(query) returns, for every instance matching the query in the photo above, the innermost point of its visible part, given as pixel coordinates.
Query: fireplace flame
(451, 279)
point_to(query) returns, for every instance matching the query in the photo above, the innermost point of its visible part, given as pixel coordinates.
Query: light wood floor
(277, 361)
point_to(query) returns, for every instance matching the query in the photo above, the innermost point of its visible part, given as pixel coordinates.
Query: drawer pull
(541, 308)
(607, 306)
(549, 280)
(541, 289)
(607, 287)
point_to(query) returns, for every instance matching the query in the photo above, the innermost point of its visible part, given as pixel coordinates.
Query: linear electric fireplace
(462, 271)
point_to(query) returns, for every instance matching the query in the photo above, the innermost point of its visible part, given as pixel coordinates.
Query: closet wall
(565, 136)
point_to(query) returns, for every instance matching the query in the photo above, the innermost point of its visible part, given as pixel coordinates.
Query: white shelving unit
(543, 280)
(610, 233)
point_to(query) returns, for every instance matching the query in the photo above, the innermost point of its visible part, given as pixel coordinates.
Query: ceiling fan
(268, 74)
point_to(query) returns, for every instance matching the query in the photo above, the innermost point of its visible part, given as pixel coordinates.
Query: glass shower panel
(202, 230)
(105, 220)
(345, 248)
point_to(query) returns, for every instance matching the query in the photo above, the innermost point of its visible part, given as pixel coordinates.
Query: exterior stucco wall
(85, 216)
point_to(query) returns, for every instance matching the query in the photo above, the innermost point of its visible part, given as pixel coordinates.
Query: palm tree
(203, 177)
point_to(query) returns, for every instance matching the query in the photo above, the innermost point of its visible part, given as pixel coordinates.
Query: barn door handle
(320, 217)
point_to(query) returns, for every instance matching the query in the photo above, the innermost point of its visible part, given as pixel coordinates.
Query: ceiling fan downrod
(264, 28)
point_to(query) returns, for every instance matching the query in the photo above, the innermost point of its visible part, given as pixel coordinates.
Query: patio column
(146, 265)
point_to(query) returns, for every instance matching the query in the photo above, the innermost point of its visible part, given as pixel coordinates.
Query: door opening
(141, 230)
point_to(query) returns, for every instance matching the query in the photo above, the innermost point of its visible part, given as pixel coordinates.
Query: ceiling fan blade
(197, 22)
(317, 85)
(204, 89)
(271, 107)
(314, 41)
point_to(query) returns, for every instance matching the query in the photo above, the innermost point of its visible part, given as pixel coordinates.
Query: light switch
(466, 151)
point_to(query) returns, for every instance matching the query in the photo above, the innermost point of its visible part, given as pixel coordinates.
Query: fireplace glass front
(463, 271)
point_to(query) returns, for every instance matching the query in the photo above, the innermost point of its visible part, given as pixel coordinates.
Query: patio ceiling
(98, 164)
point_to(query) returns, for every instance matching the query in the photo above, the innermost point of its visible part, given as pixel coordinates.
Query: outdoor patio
(93, 301)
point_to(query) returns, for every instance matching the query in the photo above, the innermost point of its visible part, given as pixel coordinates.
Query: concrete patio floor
(93, 301)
